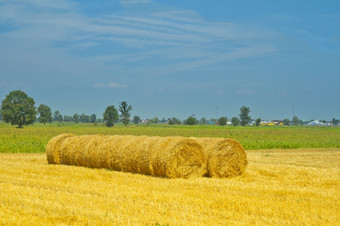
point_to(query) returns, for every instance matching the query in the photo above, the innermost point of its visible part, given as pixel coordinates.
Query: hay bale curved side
(159, 156)
(171, 157)
(96, 156)
(53, 148)
(225, 157)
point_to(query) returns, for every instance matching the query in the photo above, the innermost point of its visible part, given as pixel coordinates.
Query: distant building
(272, 123)
(317, 123)
(277, 122)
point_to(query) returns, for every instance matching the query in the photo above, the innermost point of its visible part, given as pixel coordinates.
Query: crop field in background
(279, 187)
(34, 138)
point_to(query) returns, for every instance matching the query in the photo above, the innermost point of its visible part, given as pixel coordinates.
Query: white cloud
(157, 44)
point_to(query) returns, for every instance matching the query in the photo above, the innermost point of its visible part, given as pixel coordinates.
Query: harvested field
(279, 187)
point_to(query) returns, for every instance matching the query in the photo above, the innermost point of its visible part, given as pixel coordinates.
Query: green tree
(257, 121)
(45, 113)
(57, 116)
(76, 117)
(296, 121)
(84, 118)
(0, 115)
(18, 109)
(99, 120)
(203, 121)
(136, 119)
(93, 118)
(154, 120)
(286, 121)
(244, 115)
(335, 121)
(191, 120)
(125, 109)
(222, 121)
(174, 121)
(235, 121)
(68, 118)
(110, 116)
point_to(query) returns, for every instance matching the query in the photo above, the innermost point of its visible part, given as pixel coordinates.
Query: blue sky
(172, 58)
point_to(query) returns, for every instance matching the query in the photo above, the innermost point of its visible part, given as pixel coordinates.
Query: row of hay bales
(172, 157)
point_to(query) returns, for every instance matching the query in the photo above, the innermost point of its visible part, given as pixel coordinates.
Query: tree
(110, 116)
(335, 121)
(99, 120)
(174, 121)
(191, 120)
(257, 121)
(68, 118)
(244, 115)
(93, 118)
(45, 113)
(222, 121)
(136, 119)
(57, 116)
(154, 120)
(286, 121)
(235, 121)
(0, 115)
(296, 121)
(203, 121)
(76, 117)
(125, 109)
(18, 109)
(84, 118)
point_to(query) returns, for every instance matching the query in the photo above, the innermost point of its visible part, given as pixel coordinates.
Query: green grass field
(33, 138)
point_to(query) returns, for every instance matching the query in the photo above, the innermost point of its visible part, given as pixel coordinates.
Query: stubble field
(284, 187)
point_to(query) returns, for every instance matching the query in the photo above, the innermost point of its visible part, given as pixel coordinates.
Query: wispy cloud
(157, 43)
(40, 4)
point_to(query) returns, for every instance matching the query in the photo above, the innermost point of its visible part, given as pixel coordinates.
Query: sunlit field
(282, 185)
(279, 187)
(34, 138)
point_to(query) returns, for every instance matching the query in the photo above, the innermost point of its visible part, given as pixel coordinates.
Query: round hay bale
(175, 157)
(225, 157)
(96, 157)
(171, 157)
(53, 148)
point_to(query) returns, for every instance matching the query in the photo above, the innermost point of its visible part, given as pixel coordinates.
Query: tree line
(19, 109)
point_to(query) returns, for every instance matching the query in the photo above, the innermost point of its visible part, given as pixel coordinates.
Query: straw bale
(177, 157)
(171, 157)
(225, 157)
(53, 148)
